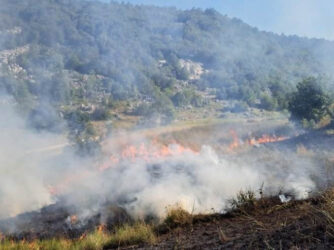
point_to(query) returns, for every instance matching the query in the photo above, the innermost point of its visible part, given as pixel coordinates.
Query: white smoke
(199, 182)
(23, 172)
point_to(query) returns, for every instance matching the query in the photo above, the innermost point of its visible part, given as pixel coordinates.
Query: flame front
(147, 152)
(237, 142)
(267, 139)
(150, 152)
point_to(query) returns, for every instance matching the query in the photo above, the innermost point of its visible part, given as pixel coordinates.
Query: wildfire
(236, 142)
(150, 151)
(267, 139)
(147, 152)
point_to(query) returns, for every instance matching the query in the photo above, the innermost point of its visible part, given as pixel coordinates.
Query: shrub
(138, 233)
(100, 114)
(309, 102)
(143, 109)
(268, 102)
(244, 201)
(177, 217)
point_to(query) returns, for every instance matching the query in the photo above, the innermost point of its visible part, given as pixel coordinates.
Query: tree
(309, 102)
(268, 102)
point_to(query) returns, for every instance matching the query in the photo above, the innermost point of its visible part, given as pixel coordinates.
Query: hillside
(70, 53)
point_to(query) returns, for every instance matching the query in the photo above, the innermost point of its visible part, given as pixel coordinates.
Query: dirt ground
(270, 225)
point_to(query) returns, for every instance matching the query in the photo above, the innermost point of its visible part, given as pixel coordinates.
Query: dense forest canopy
(77, 51)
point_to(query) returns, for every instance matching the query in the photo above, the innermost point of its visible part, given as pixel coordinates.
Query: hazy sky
(311, 18)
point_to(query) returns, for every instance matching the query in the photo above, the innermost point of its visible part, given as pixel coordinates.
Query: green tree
(268, 102)
(309, 102)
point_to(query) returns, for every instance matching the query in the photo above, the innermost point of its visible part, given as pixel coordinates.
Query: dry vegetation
(261, 224)
(254, 224)
(139, 233)
(177, 217)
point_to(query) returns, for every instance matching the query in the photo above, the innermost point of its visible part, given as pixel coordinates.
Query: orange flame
(267, 139)
(152, 151)
(145, 152)
(236, 143)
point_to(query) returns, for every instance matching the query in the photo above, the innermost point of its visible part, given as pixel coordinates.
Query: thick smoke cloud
(24, 159)
(38, 169)
(199, 182)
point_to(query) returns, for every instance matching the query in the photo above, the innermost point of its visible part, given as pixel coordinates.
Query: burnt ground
(58, 221)
(270, 225)
(265, 224)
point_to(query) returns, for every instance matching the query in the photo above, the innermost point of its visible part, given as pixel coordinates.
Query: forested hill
(67, 51)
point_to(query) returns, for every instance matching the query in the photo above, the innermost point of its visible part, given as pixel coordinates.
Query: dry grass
(53, 244)
(325, 214)
(244, 201)
(138, 233)
(96, 240)
(178, 217)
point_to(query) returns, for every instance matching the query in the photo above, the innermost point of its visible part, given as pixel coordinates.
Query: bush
(177, 217)
(100, 114)
(310, 102)
(187, 97)
(244, 201)
(268, 102)
(143, 109)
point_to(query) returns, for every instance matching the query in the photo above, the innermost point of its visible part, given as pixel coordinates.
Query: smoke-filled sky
(311, 18)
